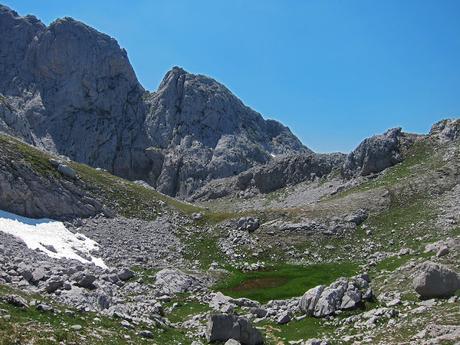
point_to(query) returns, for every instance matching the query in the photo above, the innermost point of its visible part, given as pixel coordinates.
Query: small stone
(146, 334)
(444, 250)
(283, 318)
(126, 324)
(76, 327)
(125, 274)
(44, 307)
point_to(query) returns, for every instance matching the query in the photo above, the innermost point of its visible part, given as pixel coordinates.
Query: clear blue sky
(333, 71)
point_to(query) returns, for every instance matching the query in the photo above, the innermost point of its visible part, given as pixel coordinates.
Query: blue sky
(333, 71)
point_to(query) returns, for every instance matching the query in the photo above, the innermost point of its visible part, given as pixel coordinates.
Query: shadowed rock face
(71, 89)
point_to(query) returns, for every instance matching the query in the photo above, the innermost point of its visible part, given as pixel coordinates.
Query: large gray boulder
(343, 294)
(435, 280)
(310, 299)
(222, 327)
(172, 281)
(329, 301)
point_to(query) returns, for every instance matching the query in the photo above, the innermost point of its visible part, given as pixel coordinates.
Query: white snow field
(50, 237)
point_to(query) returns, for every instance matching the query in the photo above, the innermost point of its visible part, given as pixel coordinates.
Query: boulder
(444, 250)
(435, 280)
(258, 312)
(310, 299)
(172, 281)
(343, 294)
(15, 300)
(67, 171)
(38, 275)
(146, 334)
(85, 280)
(222, 327)
(328, 302)
(25, 272)
(283, 318)
(53, 284)
(352, 299)
(125, 274)
(248, 223)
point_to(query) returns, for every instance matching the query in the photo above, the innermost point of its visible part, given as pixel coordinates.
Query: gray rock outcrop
(377, 153)
(277, 173)
(446, 130)
(172, 281)
(222, 327)
(435, 280)
(343, 294)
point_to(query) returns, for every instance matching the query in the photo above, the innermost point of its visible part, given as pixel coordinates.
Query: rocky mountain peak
(76, 94)
(16, 35)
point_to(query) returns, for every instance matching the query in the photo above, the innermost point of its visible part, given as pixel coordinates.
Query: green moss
(283, 281)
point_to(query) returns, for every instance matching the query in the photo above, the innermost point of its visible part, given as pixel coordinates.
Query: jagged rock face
(275, 174)
(17, 34)
(446, 130)
(376, 153)
(293, 170)
(205, 132)
(90, 95)
(71, 89)
(73, 92)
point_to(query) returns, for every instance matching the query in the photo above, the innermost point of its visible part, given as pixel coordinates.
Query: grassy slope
(125, 197)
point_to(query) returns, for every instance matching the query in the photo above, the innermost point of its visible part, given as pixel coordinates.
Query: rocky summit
(182, 216)
(71, 90)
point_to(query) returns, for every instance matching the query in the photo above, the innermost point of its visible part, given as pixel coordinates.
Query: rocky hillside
(372, 156)
(280, 246)
(331, 260)
(71, 90)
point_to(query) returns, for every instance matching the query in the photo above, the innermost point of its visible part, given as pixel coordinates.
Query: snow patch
(51, 237)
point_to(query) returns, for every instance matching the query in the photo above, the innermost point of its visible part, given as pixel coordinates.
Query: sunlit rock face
(71, 89)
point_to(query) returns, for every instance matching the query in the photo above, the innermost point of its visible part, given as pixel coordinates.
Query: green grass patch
(14, 149)
(307, 328)
(185, 308)
(203, 248)
(283, 281)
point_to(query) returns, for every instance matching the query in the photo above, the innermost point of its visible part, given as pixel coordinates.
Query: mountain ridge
(74, 92)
